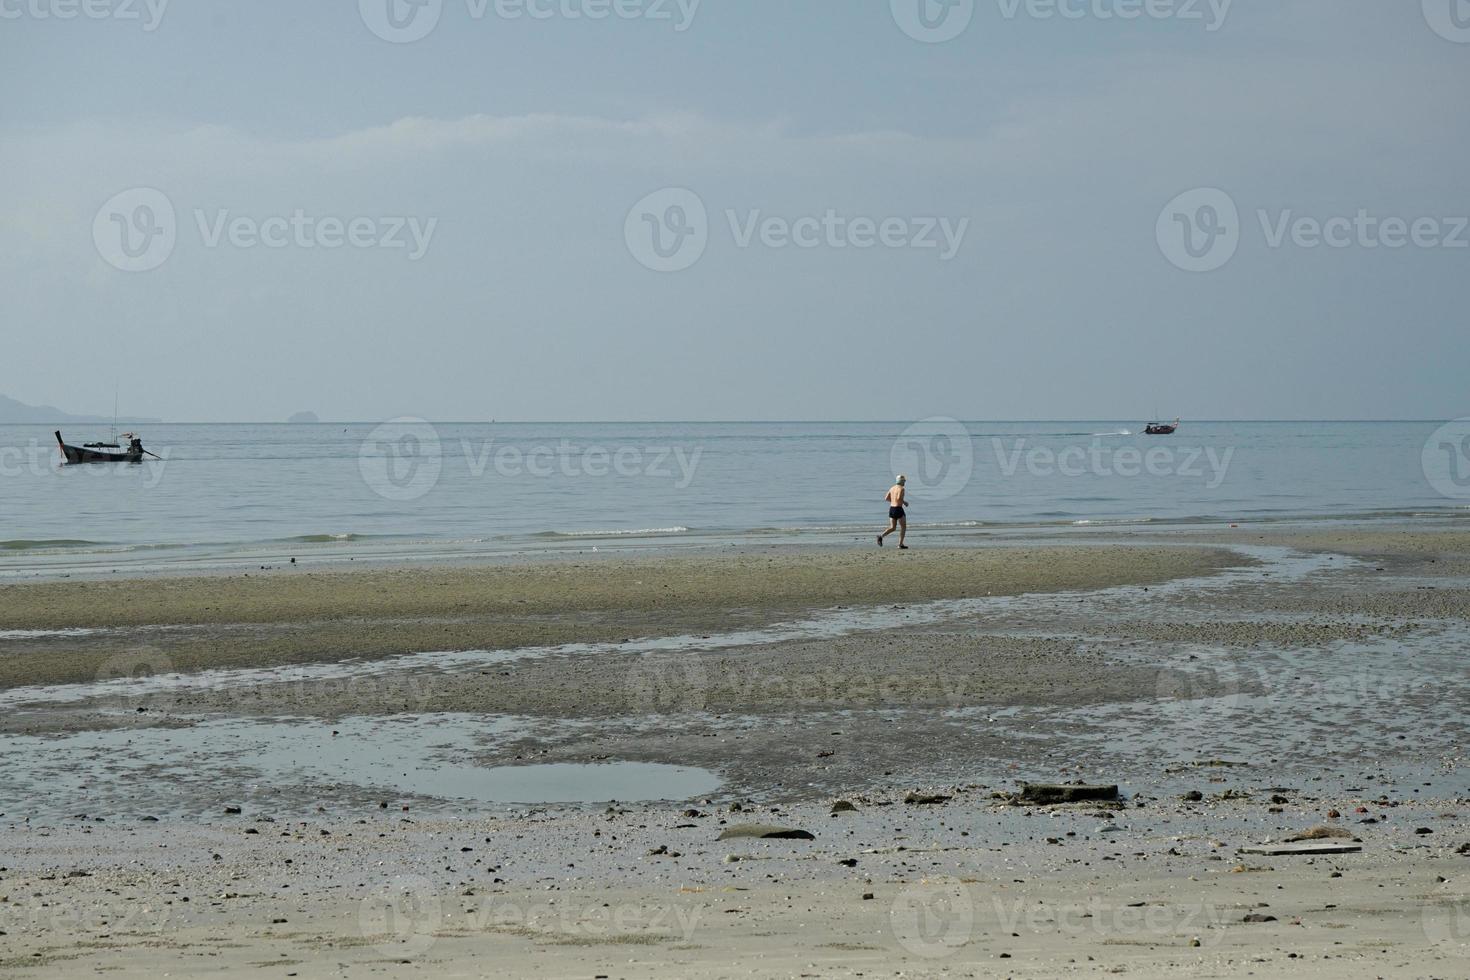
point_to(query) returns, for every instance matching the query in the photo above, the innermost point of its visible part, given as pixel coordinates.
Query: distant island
(12, 411)
(304, 418)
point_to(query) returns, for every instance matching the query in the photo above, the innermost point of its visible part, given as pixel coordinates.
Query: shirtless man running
(897, 517)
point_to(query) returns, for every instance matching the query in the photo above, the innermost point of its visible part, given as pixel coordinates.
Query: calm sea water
(245, 491)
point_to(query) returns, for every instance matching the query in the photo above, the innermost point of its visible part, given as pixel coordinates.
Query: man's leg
(892, 526)
(903, 532)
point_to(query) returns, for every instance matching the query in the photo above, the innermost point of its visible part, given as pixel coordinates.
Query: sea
(236, 495)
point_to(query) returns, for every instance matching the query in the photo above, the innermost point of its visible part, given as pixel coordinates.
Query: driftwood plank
(1045, 795)
(1316, 847)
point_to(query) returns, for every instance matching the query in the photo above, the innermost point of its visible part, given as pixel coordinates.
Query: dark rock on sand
(1045, 795)
(926, 799)
(765, 832)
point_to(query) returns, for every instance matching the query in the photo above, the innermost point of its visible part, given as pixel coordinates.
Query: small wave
(868, 526)
(324, 538)
(22, 544)
(1120, 432)
(639, 532)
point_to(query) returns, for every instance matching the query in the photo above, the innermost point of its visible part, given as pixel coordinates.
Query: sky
(736, 209)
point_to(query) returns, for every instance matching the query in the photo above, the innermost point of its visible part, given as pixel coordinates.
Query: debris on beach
(765, 832)
(926, 799)
(1040, 794)
(1321, 833)
(1307, 849)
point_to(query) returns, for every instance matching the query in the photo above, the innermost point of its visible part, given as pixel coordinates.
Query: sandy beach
(331, 774)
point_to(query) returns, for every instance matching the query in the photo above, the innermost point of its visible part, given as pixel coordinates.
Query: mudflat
(287, 615)
(561, 804)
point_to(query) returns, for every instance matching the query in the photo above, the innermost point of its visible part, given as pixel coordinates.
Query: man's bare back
(898, 519)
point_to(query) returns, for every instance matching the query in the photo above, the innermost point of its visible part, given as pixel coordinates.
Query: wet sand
(1317, 679)
(288, 615)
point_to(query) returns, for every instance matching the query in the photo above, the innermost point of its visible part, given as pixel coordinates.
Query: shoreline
(110, 562)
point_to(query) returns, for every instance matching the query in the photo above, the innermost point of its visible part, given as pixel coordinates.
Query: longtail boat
(96, 454)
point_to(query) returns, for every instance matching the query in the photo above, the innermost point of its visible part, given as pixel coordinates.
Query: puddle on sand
(285, 765)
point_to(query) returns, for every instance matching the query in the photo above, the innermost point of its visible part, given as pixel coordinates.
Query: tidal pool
(293, 765)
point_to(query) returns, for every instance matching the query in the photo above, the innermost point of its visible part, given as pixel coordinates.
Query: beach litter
(1312, 848)
(926, 799)
(1040, 794)
(765, 832)
(1321, 833)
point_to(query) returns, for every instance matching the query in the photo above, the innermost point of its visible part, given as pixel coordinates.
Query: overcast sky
(460, 226)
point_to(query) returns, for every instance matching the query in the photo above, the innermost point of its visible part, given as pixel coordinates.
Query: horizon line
(1012, 421)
